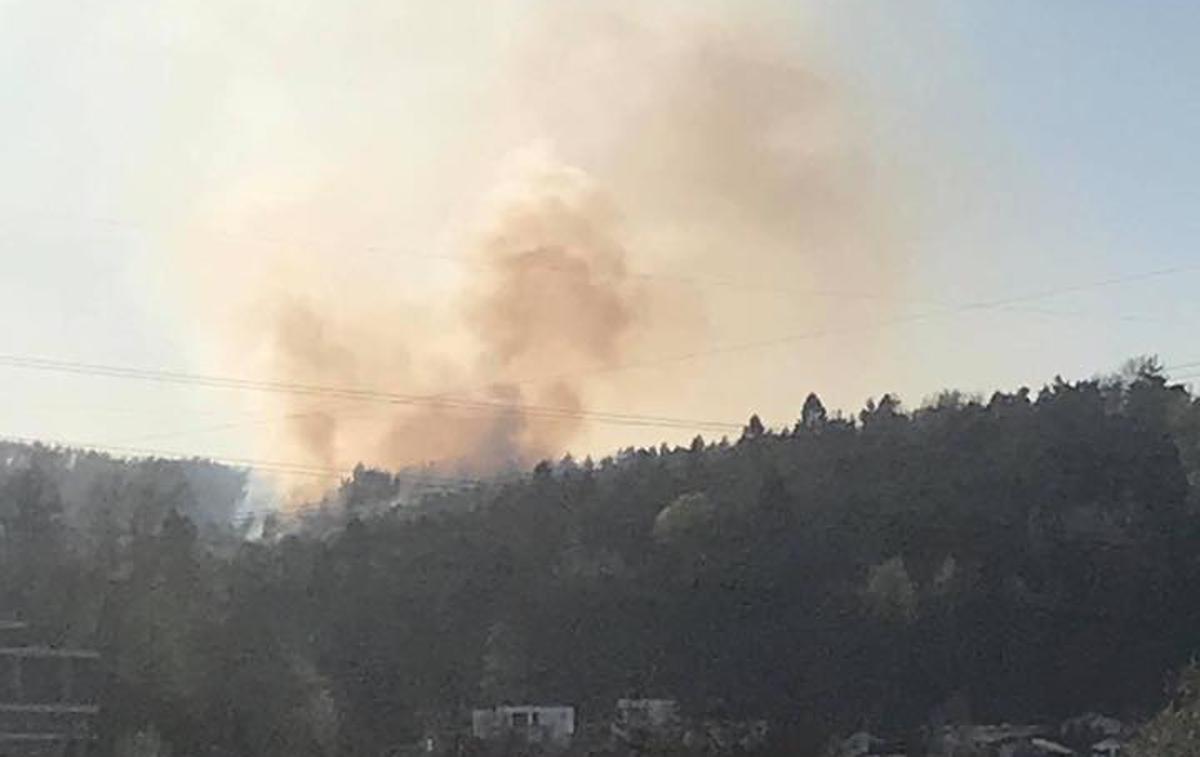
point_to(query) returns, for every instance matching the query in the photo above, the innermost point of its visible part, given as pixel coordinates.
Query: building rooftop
(32, 651)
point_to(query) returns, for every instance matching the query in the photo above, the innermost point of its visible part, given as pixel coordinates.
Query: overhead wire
(543, 412)
(268, 466)
(351, 393)
(991, 304)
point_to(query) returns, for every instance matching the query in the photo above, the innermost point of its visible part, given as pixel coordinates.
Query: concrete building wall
(534, 723)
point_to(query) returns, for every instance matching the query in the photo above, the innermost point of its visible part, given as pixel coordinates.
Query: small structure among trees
(47, 699)
(550, 726)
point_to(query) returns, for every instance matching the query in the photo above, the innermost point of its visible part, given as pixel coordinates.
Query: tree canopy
(1026, 557)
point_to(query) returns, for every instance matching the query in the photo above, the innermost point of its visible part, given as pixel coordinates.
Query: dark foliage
(1023, 559)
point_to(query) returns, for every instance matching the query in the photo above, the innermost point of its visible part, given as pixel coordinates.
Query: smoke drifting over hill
(550, 298)
(607, 145)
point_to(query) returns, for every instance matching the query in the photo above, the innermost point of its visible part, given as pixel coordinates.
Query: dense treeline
(1024, 557)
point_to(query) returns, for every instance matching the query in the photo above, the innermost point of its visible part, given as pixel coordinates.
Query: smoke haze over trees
(575, 235)
(366, 363)
(1028, 556)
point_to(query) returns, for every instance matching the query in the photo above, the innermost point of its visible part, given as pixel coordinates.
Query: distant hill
(1020, 558)
(86, 482)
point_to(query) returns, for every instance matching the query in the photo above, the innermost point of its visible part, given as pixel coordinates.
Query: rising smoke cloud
(701, 148)
(548, 301)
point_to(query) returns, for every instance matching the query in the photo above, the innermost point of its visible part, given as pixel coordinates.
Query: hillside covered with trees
(1022, 558)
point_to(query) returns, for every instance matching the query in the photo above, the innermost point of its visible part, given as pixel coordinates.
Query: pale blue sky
(1054, 144)
(1073, 129)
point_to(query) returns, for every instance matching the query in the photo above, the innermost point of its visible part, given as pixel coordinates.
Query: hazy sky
(1019, 148)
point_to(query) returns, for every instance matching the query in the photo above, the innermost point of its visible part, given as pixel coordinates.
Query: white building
(537, 724)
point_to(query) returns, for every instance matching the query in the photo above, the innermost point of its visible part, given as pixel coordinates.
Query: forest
(1023, 557)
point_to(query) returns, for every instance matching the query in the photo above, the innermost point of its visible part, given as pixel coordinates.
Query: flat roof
(45, 737)
(53, 709)
(83, 654)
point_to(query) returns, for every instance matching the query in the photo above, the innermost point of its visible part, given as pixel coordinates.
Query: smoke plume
(548, 301)
(604, 194)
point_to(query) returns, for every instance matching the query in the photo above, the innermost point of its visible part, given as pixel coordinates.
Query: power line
(352, 393)
(178, 456)
(993, 304)
(445, 401)
(340, 412)
(268, 466)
